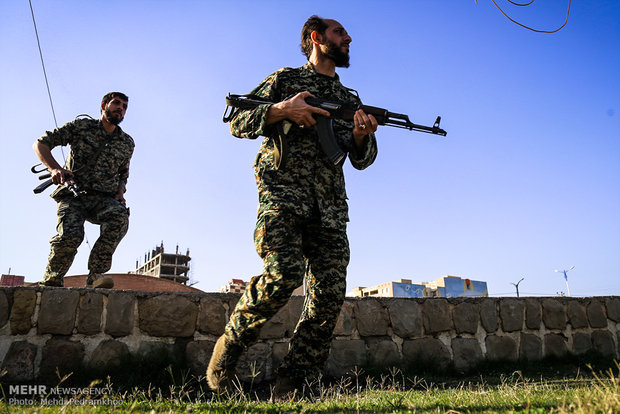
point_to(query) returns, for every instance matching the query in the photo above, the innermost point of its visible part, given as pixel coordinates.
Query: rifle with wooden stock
(340, 110)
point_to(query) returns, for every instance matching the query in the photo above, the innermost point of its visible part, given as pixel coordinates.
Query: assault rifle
(73, 187)
(340, 110)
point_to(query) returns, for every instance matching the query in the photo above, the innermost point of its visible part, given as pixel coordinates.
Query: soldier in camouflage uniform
(302, 214)
(98, 164)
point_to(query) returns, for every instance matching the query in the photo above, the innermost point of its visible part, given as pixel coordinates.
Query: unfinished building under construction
(171, 266)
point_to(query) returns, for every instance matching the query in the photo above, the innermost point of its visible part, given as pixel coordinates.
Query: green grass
(587, 391)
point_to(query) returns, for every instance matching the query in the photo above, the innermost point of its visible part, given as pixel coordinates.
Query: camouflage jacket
(110, 171)
(306, 181)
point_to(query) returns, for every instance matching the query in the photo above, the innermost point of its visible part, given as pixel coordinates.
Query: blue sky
(527, 180)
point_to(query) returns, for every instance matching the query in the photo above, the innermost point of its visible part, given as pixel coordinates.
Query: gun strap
(280, 147)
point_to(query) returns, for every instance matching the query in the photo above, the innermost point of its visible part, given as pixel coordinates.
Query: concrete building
(401, 288)
(234, 286)
(447, 286)
(170, 266)
(454, 286)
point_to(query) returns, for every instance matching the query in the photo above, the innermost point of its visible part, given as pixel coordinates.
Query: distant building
(170, 266)
(447, 286)
(234, 286)
(454, 286)
(11, 280)
(401, 288)
(238, 286)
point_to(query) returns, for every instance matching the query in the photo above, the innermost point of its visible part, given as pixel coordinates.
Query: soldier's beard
(340, 58)
(113, 118)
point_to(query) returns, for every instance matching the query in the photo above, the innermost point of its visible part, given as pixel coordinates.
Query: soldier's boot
(286, 387)
(97, 280)
(52, 282)
(221, 369)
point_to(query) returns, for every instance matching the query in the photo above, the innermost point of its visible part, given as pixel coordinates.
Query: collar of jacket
(308, 70)
(118, 132)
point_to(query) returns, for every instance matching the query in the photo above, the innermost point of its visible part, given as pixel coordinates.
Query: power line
(47, 85)
(49, 94)
(520, 4)
(512, 294)
(528, 27)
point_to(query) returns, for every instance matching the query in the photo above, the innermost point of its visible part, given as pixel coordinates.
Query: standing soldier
(91, 187)
(302, 214)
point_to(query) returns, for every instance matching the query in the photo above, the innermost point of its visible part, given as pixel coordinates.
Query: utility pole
(565, 277)
(516, 285)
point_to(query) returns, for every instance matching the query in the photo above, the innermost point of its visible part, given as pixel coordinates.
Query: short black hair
(111, 95)
(313, 23)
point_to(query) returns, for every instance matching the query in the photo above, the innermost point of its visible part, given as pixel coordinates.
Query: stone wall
(42, 329)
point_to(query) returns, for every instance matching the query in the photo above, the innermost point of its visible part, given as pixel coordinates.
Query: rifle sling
(280, 147)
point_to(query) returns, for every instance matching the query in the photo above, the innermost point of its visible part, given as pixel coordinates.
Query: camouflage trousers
(292, 246)
(113, 218)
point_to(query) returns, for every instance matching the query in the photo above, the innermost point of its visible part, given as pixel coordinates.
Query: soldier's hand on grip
(61, 176)
(298, 111)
